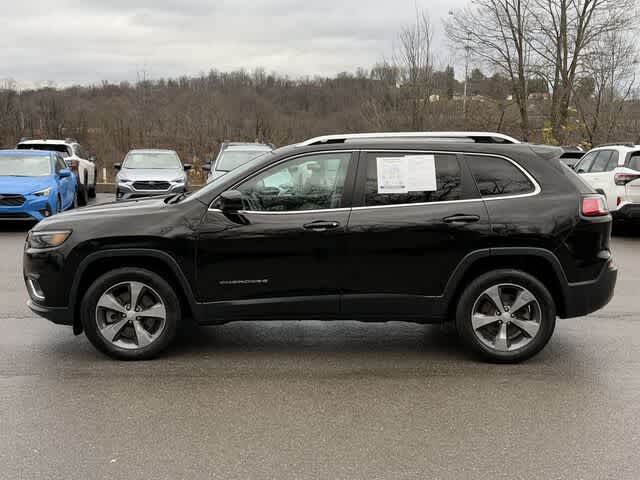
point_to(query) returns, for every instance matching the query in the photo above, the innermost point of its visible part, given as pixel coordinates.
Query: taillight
(624, 178)
(594, 206)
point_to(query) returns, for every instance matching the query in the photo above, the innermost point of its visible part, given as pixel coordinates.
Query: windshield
(47, 147)
(25, 166)
(232, 159)
(149, 160)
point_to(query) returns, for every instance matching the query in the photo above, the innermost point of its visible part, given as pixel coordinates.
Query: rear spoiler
(547, 152)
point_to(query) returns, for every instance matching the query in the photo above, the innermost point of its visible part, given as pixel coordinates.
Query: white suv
(614, 171)
(85, 169)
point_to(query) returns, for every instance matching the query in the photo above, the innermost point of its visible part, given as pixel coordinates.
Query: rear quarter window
(497, 176)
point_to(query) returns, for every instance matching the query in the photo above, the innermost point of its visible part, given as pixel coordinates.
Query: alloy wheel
(131, 315)
(506, 317)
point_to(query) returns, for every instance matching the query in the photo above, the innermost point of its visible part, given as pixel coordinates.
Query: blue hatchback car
(34, 185)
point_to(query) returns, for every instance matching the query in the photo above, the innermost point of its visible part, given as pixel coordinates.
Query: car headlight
(42, 193)
(123, 180)
(47, 239)
(178, 180)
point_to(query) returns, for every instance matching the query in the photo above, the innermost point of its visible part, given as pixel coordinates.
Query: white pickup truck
(84, 168)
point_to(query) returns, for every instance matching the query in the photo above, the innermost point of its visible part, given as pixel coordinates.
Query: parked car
(233, 155)
(34, 185)
(571, 156)
(614, 171)
(146, 173)
(75, 158)
(497, 237)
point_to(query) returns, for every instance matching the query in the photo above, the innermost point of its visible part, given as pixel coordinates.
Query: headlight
(178, 180)
(42, 193)
(45, 239)
(123, 180)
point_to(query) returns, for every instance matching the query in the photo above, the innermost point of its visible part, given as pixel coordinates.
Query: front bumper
(125, 191)
(586, 297)
(34, 208)
(57, 315)
(628, 211)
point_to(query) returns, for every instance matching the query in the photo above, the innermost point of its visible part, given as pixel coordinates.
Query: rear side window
(603, 159)
(586, 162)
(447, 173)
(634, 161)
(497, 177)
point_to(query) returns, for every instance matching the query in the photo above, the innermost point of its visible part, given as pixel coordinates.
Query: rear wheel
(506, 316)
(130, 314)
(92, 190)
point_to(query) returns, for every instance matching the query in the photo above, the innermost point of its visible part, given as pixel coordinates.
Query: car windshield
(232, 159)
(47, 147)
(25, 166)
(149, 160)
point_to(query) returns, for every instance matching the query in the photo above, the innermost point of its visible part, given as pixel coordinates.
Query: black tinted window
(447, 174)
(497, 176)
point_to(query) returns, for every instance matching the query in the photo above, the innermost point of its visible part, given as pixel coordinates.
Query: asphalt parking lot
(296, 400)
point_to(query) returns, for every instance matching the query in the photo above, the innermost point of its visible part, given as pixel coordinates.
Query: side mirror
(231, 201)
(64, 173)
(92, 159)
(117, 166)
(187, 167)
(581, 170)
(206, 167)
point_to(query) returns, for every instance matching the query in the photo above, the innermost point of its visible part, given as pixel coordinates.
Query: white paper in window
(393, 174)
(422, 173)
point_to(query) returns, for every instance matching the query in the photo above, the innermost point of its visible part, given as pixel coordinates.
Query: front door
(283, 255)
(405, 245)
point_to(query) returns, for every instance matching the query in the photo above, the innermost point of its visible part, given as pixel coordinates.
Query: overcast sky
(86, 41)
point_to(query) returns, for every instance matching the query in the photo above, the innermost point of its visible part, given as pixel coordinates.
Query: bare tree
(495, 31)
(610, 74)
(563, 32)
(414, 60)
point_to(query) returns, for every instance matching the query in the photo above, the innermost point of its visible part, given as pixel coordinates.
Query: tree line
(560, 72)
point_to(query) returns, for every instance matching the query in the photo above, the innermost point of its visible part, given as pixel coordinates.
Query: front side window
(498, 177)
(585, 163)
(25, 166)
(601, 161)
(447, 187)
(311, 182)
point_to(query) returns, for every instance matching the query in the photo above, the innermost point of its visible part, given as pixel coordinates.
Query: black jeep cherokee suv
(498, 237)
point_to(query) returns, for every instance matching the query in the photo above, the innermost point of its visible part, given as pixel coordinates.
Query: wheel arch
(157, 261)
(538, 262)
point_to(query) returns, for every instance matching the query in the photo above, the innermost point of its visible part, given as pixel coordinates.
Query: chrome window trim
(537, 189)
(293, 157)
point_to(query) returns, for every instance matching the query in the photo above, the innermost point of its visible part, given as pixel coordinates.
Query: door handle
(320, 226)
(461, 219)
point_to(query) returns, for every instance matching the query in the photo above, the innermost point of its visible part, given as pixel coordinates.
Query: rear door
(404, 247)
(65, 184)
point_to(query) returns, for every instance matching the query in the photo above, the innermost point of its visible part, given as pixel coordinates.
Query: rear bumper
(628, 211)
(587, 297)
(57, 315)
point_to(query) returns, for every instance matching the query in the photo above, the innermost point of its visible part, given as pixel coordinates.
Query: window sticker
(413, 173)
(392, 174)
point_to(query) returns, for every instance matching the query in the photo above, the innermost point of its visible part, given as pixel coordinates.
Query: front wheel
(130, 314)
(506, 316)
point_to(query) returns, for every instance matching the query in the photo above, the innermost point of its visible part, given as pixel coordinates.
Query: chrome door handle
(321, 226)
(461, 219)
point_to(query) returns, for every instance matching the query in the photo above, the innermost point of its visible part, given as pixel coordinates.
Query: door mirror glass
(64, 173)
(206, 167)
(117, 166)
(230, 201)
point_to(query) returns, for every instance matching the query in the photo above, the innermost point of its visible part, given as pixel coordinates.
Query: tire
(514, 335)
(58, 206)
(92, 190)
(83, 193)
(115, 332)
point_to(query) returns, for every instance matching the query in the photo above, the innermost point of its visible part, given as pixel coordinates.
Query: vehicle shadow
(626, 230)
(15, 226)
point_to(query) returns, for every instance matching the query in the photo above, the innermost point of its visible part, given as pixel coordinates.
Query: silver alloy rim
(131, 315)
(506, 317)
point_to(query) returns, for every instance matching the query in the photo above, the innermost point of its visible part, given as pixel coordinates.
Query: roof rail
(480, 137)
(70, 140)
(617, 144)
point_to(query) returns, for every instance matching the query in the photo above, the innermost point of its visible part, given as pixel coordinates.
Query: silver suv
(144, 173)
(234, 154)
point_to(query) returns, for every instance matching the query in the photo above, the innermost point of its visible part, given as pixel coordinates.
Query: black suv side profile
(498, 237)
